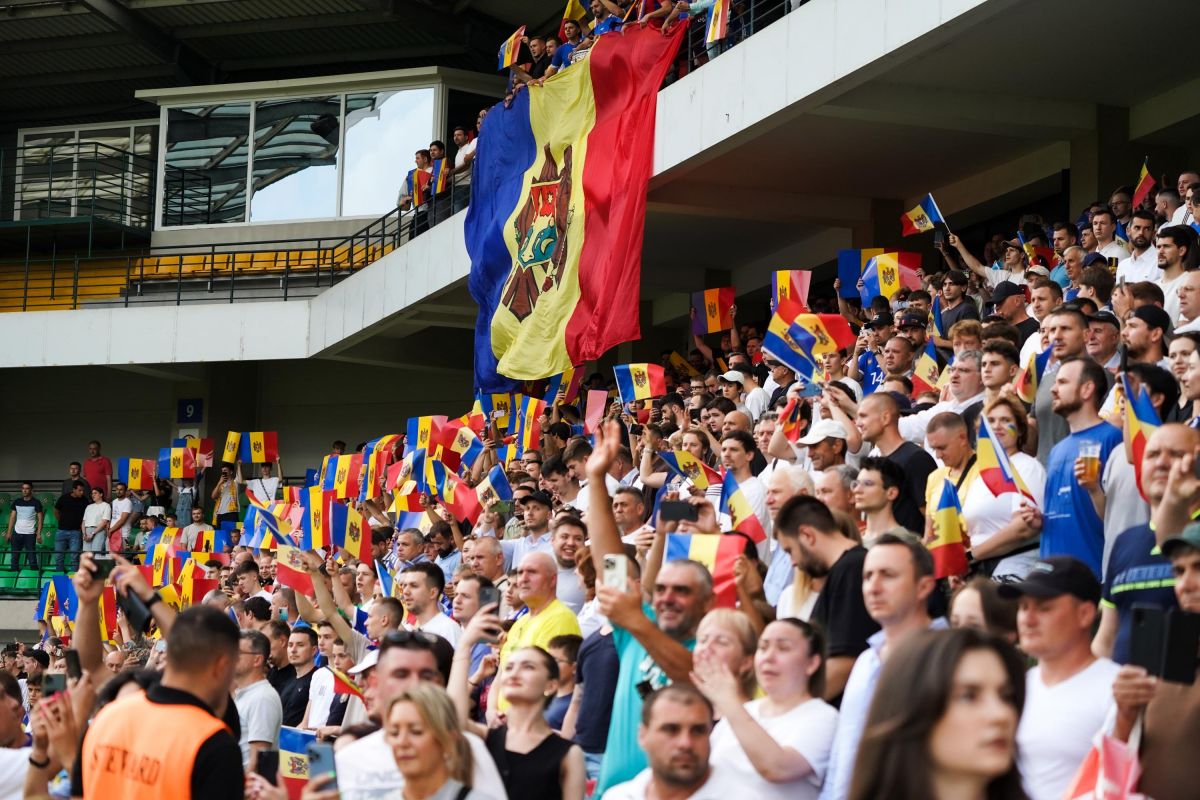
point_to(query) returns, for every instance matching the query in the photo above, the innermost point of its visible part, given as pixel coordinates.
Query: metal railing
(92, 179)
(272, 269)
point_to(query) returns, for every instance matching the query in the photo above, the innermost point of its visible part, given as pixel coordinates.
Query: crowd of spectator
(551, 648)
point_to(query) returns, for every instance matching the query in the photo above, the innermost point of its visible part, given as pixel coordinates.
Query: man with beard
(1142, 264)
(807, 530)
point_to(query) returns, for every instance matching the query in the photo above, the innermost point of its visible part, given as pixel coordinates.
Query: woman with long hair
(943, 721)
(422, 729)
(535, 763)
(777, 745)
(978, 604)
(1002, 543)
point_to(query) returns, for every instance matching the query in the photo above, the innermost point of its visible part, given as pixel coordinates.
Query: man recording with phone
(1170, 712)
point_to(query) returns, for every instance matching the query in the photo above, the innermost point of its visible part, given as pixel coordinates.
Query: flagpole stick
(940, 214)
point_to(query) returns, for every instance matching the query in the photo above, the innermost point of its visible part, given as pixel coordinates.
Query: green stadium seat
(8, 581)
(28, 579)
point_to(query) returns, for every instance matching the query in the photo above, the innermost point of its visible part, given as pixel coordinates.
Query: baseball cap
(1189, 538)
(821, 430)
(538, 497)
(1105, 316)
(1005, 290)
(733, 376)
(1054, 577)
(1014, 243)
(881, 320)
(368, 661)
(1094, 258)
(911, 321)
(1038, 270)
(1154, 317)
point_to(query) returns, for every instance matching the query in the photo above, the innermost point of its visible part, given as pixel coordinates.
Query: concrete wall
(272, 231)
(47, 416)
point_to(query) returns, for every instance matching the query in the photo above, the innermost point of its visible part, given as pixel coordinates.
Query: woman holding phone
(535, 763)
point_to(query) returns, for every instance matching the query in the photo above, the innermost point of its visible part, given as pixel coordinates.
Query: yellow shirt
(537, 631)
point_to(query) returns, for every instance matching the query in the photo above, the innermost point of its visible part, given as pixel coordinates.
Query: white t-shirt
(13, 766)
(581, 501)
(986, 513)
(260, 713)
(96, 513)
(366, 770)
(263, 489)
(1057, 727)
(1137, 268)
(787, 604)
(808, 729)
(441, 625)
(1170, 289)
(320, 696)
(721, 785)
(570, 589)
(1114, 249)
(122, 506)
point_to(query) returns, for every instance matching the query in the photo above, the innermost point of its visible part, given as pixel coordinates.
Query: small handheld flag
(258, 447)
(948, 546)
(1141, 421)
(1144, 185)
(996, 470)
(711, 309)
(925, 370)
(790, 285)
(718, 552)
(741, 515)
(886, 273)
(574, 12)
(639, 381)
(233, 441)
(509, 50)
(175, 463)
(136, 473)
(494, 488)
(718, 22)
(1026, 383)
(681, 462)
(923, 217)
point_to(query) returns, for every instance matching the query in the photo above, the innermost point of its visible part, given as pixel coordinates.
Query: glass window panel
(206, 152)
(295, 158)
(143, 167)
(47, 182)
(383, 130)
(102, 181)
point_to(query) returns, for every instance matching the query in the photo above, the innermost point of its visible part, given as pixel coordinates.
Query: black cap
(912, 321)
(1094, 258)
(1054, 577)
(883, 319)
(1105, 316)
(1154, 317)
(1005, 290)
(538, 497)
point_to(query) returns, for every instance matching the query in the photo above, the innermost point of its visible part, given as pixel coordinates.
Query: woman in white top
(96, 518)
(777, 745)
(1001, 542)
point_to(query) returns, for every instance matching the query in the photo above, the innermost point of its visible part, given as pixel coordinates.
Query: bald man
(548, 617)
(785, 483)
(1137, 572)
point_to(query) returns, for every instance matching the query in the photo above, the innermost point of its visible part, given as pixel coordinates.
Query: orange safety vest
(139, 749)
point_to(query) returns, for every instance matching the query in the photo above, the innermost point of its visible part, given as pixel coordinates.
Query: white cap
(733, 376)
(823, 429)
(368, 661)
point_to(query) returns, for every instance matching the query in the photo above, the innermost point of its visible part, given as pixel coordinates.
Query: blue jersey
(871, 373)
(1072, 527)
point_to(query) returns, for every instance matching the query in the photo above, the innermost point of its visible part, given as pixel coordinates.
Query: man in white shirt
(1183, 215)
(264, 487)
(461, 176)
(122, 516)
(966, 390)
(421, 587)
(675, 734)
(1104, 226)
(320, 687)
(260, 711)
(1189, 303)
(1068, 694)
(366, 769)
(737, 451)
(1174, 251)
(1142, 264)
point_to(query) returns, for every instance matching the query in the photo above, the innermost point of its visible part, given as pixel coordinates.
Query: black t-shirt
(916, 465)
(278, 677)
(70, 512)
(539, 66)
(597, 668)
(294, 696)
(1028, 327)
(840, 609)
(217, 771)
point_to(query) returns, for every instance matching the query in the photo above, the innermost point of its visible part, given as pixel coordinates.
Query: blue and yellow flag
(556, 219)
